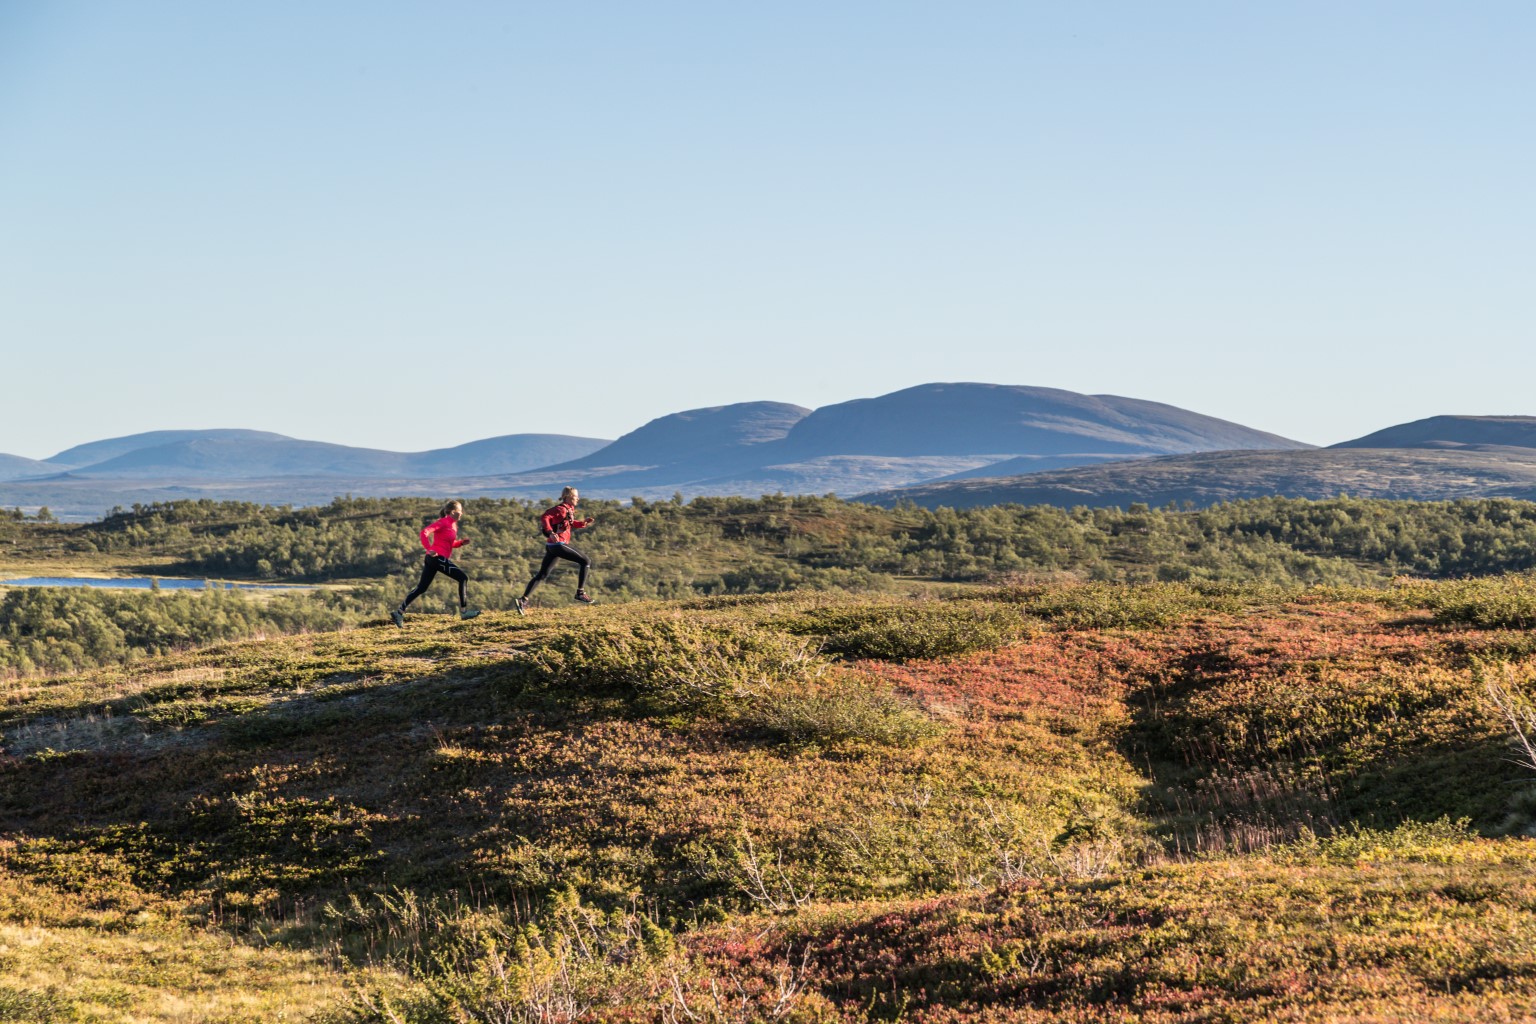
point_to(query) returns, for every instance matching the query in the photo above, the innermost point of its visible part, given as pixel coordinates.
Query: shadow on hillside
(443, 783)
(1234, 765)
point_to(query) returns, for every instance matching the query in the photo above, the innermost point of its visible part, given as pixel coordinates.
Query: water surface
(144, 583)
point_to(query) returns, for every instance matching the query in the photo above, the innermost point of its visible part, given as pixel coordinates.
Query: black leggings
(557, 551)
(437, 564)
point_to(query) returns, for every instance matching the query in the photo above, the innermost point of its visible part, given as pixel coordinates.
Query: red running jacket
(441, 537)
(558, 522)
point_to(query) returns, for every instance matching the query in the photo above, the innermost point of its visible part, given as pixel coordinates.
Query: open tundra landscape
(794, 513)
(827, 762)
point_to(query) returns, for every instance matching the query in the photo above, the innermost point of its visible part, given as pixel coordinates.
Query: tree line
(670, 548)
(709, 546)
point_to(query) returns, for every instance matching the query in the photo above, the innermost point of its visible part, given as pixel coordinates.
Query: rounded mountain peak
(697, 433)
(1452, 431)
(967, 418)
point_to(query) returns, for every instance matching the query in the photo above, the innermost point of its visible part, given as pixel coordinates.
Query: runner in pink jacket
(440, 538)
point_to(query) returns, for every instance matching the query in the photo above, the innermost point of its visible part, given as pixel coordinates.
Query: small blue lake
(144, 583)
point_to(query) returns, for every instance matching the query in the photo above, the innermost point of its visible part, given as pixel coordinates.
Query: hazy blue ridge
(510, 453)
(1021, 464)
(922, 433)
(1207, 478)
(94, 452)
(960, 444)
(699, 440)
(967, 418)
(1453, 431)
(250, 459)
(19, 467)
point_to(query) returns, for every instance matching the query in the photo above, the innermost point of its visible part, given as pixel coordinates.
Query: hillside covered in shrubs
(1022, 801)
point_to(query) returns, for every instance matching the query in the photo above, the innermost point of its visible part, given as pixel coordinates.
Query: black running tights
(437, 564)
(552, 552)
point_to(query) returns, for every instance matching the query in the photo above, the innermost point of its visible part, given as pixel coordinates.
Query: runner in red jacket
(440, 538)
(557, 524)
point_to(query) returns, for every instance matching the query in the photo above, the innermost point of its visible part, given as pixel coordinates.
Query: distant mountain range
(1210, 477)
(922, 433)
(1439, 458)
(950, 443)
(99, 452)
(214, 455)
(272, 455)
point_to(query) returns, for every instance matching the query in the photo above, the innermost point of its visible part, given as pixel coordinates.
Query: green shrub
(753, 677)
(1497, 602)
(677, 665)
(911, 631)
(1411, 840)
(481, 965)
(33, 1007)
(841, 713)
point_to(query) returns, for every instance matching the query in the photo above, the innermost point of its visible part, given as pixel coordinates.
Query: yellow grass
(61, 959)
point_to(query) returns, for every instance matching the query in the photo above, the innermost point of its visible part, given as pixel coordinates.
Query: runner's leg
(550, 554)
(428, 571)
(453, 572)
(571, 554)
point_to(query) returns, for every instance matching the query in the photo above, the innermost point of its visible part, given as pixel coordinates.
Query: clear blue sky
(410, 225)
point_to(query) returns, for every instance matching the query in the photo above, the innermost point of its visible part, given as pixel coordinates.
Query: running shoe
(468, 613)
(582, 596)
(521, 604)
(398, 616)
